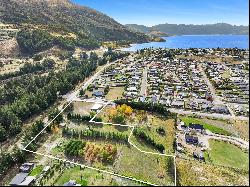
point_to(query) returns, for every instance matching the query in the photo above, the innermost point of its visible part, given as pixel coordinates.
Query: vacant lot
(147, 167)
(115, 93)
(82, 108)
(193, 173)
(226, 154)
(151, 127)
(242, 129)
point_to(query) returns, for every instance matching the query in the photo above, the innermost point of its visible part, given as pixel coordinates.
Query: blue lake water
(197, 41)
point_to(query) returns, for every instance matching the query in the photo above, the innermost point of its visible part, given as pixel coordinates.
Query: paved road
(213, 115)
(234, 140)
(144, 82)
(217, 99)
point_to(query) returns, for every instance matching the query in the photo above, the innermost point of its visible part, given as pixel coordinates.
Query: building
(196, 127)
(96, 107)
(98, 94)
(191, 139)
(22, 179)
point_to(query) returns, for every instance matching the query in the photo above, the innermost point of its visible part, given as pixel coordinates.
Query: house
(96, 107)
(71, 183)
(196, 127)
(191, 139)
(22, 179)
(177, 104)
(98, 94)
(26, 167)
(220, 109)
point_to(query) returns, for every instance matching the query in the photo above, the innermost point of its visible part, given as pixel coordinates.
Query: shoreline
(155, 44)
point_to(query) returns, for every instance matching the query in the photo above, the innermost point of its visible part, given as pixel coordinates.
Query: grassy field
(87, 177)
(147, 167)
(156, 122)
(115, 93)
(226, 154)
(101, 128)
(193, 173)
(152, 168)
(211, 127)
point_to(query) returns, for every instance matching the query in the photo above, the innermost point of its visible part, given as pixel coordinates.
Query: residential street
(144, 82)
(213, 115)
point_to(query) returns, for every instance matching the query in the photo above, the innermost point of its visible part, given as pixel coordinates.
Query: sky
(152, 12)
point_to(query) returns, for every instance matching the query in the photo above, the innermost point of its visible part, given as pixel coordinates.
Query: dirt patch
(9, 48)
(82, 108)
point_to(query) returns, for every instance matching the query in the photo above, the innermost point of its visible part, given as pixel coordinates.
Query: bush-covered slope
(64, 16)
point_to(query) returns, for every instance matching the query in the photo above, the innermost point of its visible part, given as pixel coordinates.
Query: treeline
(34, 41)
(9, 159)
(46, 65)
(81, 118)
(113, 136)
(21, 99)
(111, 56)
(142, 135)
(150, 107)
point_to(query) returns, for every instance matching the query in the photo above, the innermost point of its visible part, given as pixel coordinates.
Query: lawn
(115, 93)
(226, 154)
(212, 128)
(36, 171)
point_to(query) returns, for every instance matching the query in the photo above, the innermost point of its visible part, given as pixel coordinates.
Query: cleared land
(151, 127)
(82, 108)
(115, 93)
(193, 173)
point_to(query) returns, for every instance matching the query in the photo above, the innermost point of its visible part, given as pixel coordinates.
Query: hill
(62, 17)
(182, 29)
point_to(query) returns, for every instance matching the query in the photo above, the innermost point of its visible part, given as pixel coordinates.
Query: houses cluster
(134, 74)
(191, 140)
(232, 80)
(23, 178)
(111, 77)
(178, 82)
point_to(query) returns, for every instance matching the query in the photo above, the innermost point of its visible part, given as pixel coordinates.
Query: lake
(197, 41)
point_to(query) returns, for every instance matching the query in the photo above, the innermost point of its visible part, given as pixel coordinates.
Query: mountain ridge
(66, 16)
(191, 29)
